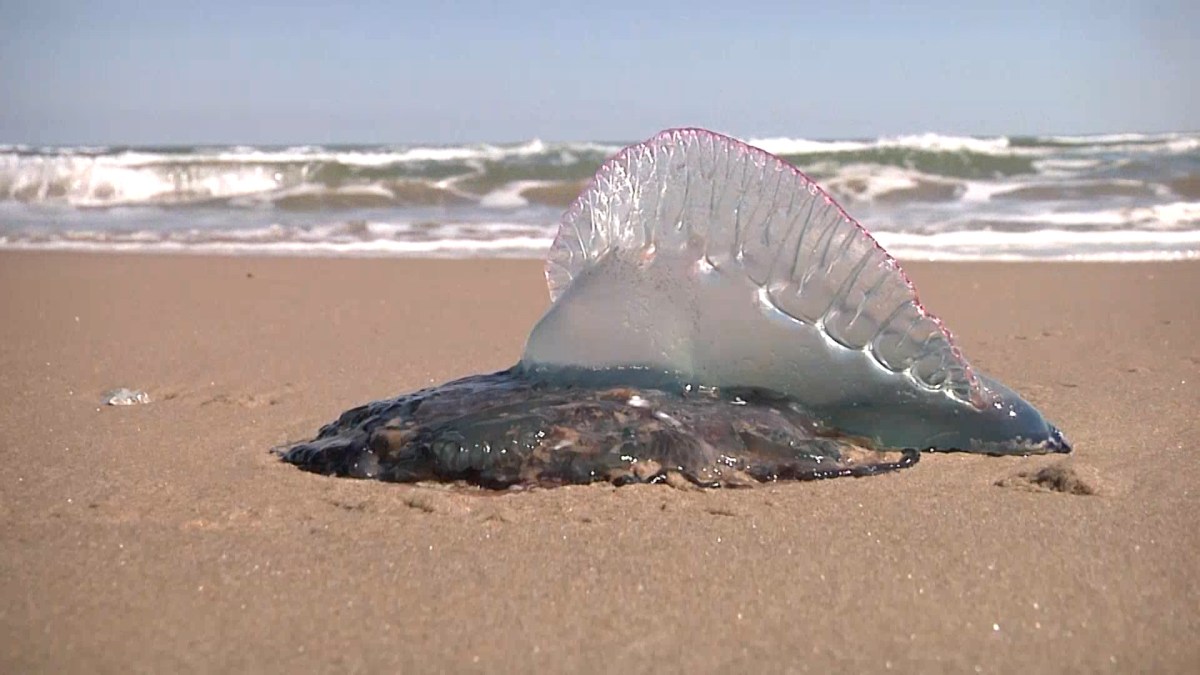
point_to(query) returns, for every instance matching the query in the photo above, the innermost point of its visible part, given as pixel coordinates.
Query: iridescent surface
(717, 318)
(507, 428)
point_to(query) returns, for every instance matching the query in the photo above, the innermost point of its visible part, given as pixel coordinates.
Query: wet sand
(165, 537)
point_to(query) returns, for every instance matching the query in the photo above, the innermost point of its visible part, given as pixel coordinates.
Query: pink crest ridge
(618, 164)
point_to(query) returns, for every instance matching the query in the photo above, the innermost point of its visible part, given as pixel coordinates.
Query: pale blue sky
(319, 72)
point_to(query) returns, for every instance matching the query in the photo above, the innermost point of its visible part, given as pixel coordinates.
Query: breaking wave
(927, 195)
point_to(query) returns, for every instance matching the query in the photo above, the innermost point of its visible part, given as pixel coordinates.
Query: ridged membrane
(695, 258)
(690, 192)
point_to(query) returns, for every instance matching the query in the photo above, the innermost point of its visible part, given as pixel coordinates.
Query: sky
(232, 72)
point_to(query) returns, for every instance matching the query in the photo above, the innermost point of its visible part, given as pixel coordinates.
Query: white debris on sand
(124, 396)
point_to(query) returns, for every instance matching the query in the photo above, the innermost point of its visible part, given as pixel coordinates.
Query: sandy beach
(166, 538)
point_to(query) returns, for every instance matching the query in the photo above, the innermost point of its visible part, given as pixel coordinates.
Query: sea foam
(926, 188)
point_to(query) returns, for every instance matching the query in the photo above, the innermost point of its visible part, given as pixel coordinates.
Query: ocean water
(931, 196)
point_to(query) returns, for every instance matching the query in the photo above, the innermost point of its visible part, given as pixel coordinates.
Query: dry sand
(164, 537)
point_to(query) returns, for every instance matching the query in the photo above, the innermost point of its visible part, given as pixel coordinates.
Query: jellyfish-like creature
(717, 319)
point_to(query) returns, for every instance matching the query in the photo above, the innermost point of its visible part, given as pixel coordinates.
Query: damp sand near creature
(717, 320)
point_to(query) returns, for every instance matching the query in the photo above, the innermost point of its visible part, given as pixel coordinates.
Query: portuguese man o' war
(718, 319)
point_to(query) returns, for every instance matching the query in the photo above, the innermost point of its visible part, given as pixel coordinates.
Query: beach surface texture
(165, 537)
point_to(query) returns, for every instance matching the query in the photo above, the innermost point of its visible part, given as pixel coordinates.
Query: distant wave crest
(939, 195)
